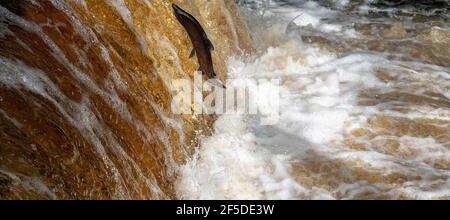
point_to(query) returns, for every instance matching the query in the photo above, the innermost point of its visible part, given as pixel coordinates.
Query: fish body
(202, 46)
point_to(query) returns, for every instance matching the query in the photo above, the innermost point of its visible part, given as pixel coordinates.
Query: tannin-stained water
(364, 106)
(86, 91)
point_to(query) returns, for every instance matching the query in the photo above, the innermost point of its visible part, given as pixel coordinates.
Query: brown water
(86, 90)
(364, 106)
(85, 93)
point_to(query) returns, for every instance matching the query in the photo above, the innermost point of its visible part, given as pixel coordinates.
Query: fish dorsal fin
(192, 53)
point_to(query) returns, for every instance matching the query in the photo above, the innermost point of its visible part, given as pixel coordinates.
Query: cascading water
(85, 94)
(86, 89)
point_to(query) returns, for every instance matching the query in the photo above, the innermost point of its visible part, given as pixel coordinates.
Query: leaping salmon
(202, 46)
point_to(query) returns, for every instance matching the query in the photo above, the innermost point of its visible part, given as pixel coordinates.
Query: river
(358, 93)
(364, 106)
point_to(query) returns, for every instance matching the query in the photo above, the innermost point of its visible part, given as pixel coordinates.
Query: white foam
(319, 96)
(238, 161)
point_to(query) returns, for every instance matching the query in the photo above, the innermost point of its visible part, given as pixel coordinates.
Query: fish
(202, 46)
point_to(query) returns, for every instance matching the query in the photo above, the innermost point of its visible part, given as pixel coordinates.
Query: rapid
(364, 107)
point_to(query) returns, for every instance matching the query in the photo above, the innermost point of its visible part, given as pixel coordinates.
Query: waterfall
(85, 94)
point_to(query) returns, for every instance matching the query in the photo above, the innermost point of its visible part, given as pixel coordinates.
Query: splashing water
(86, 88)
(364, 107)
(85, 94)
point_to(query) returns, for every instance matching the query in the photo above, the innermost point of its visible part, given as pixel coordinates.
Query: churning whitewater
(361, 114)
(86, 89)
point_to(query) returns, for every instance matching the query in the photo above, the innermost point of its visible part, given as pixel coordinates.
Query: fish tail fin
(216, 82)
